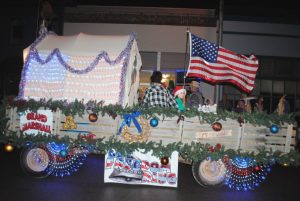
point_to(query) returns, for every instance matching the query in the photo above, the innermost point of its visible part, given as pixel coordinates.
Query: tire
(209, 173)
(35, 162)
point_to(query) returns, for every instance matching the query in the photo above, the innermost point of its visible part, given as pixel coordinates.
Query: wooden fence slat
(246, 137)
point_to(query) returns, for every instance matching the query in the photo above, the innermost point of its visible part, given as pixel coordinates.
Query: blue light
(66, 165)
(242, 174)
(63, 153)
(55, 148)
(154, 122)
(274, 129)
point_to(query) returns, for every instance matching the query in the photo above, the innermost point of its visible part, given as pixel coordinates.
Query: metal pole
(219, 88)
(158, 61)
(38, 19)
(186, 52)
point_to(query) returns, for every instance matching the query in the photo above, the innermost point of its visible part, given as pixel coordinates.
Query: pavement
(282, 184)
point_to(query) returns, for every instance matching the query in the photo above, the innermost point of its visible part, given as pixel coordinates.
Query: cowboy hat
(194, 84)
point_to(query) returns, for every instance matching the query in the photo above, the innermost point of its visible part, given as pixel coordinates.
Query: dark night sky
(248, 10)
(260, 10)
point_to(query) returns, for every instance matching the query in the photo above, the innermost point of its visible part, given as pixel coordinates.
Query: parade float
(78, 95)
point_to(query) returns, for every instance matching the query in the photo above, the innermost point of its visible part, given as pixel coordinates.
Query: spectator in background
(283, 106)
(171, 86)
(224, 104)
(195, 98)
(209, 101)
(259, 105)
(157, 95)
(240, 107)
(287, 106)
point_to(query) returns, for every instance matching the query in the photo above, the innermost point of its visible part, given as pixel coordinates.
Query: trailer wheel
(209, 173)
(35, 162)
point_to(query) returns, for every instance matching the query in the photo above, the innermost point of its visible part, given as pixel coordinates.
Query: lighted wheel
(209, 173)
(35, 162)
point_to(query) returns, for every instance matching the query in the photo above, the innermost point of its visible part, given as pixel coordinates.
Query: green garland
(193, 151)
(78, 108)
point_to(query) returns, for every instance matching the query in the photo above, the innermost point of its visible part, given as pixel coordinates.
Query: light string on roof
(35, 55)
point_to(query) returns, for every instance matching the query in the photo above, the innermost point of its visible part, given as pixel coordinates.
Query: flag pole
(185, 56)
(219, 88)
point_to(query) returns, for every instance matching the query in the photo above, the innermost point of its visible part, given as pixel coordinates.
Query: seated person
(225, 104)
(209, 101)
(283, 106)
(240, 107)
(157, 95)
(195, 98)
(180, 93)
(259, 105)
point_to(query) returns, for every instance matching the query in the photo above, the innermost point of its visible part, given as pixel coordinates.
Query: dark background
(282, 184)
(20, 21)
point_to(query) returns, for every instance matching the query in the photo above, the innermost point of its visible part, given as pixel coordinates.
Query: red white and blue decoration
(141, 169)
(53, 159)
(244, 174)
(64, 161)
(50, 71)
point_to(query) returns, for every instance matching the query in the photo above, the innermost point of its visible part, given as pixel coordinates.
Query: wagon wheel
(209, 173)
(35, 162)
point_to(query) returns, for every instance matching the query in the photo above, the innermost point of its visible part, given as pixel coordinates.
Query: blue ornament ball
(274, 128)
(63, 153)
(154, 122)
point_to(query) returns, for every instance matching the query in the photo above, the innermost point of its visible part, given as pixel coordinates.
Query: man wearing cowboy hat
(195, 98)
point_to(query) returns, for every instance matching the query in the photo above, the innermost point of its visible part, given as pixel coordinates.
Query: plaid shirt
(158, 96)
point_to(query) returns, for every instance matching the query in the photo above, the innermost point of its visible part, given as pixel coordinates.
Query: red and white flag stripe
(229, 67)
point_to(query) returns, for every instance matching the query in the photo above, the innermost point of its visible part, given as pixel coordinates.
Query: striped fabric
(217, 64)
(53, 81)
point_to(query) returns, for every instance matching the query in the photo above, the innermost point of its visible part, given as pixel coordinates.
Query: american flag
(217, 64)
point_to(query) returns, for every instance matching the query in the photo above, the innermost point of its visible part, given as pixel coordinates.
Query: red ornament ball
(93, 117)
(164, 160)
(217, 126)
(257, 168)
(211, 149)
(218, 147)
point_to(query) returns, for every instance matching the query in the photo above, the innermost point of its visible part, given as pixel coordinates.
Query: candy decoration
(274, 129)
(154, 122)
(93, 117)
(217, 126)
